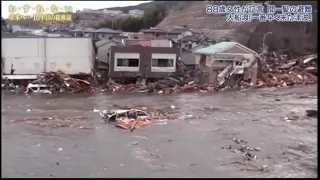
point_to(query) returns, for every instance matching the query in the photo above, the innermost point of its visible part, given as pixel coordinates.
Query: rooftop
(144, 43)
(107, 30)
(178, 30)
(102, 30)
(104, 41)
(215, 48)
(153, 30)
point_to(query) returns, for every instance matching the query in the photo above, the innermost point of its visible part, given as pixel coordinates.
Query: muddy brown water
(180, 148)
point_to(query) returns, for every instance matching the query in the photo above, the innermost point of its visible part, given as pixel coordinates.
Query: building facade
(139, 61)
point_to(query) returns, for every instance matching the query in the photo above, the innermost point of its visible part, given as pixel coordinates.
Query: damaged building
(27, 57)
(131, 62)
(226, 63)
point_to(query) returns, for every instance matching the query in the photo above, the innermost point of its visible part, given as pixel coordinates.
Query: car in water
(120, 114)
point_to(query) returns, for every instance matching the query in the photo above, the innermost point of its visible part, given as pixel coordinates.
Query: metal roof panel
(215, 48)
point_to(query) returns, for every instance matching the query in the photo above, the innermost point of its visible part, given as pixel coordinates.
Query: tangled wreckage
(52, 76)
(300, 71)
(127, 117)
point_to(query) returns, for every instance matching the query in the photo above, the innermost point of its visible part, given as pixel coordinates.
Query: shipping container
(34, 55)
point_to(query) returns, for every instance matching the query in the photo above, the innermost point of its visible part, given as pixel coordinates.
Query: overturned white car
(120, 114)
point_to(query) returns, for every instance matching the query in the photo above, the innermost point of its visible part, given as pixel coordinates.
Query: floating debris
(131, 118)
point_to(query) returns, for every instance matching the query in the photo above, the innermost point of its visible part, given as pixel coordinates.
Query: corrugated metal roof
(144, 43)
(215, 48)
(104, 41)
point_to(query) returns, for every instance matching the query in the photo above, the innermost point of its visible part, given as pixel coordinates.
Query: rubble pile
(282, 72)
(59, 82)
(166, 85)
(7, 85)
(274, 72)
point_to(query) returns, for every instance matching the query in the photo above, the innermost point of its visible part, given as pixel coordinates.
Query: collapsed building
(226, 62)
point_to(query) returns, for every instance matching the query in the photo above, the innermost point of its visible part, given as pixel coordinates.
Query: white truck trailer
(25, 58)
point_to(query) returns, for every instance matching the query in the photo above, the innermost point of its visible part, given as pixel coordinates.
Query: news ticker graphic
(248, 13)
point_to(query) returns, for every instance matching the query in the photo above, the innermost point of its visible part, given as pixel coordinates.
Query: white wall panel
(37, 55)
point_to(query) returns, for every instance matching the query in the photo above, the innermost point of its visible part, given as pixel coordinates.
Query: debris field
(276, 72)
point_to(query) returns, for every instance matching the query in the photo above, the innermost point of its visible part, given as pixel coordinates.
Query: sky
(76, 5)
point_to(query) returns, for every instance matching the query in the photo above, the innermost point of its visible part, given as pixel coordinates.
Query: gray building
(104, 47)
(189, 60)
(146, 62)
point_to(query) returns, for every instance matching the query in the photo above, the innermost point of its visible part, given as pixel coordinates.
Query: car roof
(126, 110)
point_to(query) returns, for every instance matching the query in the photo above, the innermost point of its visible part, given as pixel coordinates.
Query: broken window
(128, 62)
(162, 62)
(202, 60)
(121, 115)
(238, 63)
(141, 113)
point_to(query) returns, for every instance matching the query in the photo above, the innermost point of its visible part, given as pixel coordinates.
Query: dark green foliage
(135, 24)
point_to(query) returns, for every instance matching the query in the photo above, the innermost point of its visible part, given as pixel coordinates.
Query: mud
(181, 148)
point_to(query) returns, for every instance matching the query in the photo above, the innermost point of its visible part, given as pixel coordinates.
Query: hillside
(170, 5)
(297, 37)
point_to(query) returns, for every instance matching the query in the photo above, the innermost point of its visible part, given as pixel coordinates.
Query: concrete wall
(104, 50)
(145, 61)
(31, 56)
(220, 64)
(160, 43)
(214, 62)
(173, 36)
(71, 55)
(237, 50)
(24, 55)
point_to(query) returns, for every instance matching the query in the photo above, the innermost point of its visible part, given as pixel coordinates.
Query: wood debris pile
(59, 82)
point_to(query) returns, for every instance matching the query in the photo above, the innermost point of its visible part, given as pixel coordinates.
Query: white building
(87, 10)
(106, 11)
(136, 12)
